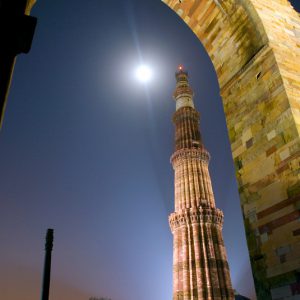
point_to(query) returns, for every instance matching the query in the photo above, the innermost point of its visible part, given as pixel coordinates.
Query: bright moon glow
(143, 73)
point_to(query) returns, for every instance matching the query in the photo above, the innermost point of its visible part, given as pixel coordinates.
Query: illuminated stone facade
(200, 267)
(254, 46)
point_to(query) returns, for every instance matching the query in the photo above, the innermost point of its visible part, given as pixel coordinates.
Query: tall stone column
(200, 267)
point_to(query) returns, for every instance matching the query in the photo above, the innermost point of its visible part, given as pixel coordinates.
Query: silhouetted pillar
(47, 265)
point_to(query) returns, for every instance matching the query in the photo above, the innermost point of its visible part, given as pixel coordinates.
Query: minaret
(200, 267)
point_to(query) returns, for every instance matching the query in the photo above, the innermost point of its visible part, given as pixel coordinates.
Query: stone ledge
(193, 153)
(213, 216)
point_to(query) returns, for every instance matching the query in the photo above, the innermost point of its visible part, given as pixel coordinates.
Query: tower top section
(183, 94)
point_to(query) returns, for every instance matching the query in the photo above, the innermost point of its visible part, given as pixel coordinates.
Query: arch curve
(220, 26)
(254, 46)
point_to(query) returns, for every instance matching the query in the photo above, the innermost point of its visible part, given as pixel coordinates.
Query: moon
(143, 73)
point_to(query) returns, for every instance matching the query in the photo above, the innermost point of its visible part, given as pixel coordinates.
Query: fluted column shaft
(200, 268)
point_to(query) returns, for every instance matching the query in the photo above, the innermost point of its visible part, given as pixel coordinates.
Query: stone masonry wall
(254, 46)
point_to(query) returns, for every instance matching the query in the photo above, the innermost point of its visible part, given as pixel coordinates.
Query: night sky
(85, 149)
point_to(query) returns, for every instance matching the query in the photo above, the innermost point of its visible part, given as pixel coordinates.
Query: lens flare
(143, 73)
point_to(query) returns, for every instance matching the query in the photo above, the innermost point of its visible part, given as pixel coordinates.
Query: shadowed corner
(16, 34)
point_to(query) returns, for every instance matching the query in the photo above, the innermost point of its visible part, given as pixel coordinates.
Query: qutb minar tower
(200, 267)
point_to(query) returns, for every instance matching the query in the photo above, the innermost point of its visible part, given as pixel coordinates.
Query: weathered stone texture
(254, 46)
(282, 25)
(200, 268)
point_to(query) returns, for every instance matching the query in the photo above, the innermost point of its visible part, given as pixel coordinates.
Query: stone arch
(254, 46)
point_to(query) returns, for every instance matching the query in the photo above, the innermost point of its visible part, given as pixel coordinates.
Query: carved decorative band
(186, 113)
(181, 90)
(212, 216)
(194, 154)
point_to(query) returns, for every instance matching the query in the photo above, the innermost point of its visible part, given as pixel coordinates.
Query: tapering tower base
(200, 268)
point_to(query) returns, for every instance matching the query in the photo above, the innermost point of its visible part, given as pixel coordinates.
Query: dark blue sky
(85, 149)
